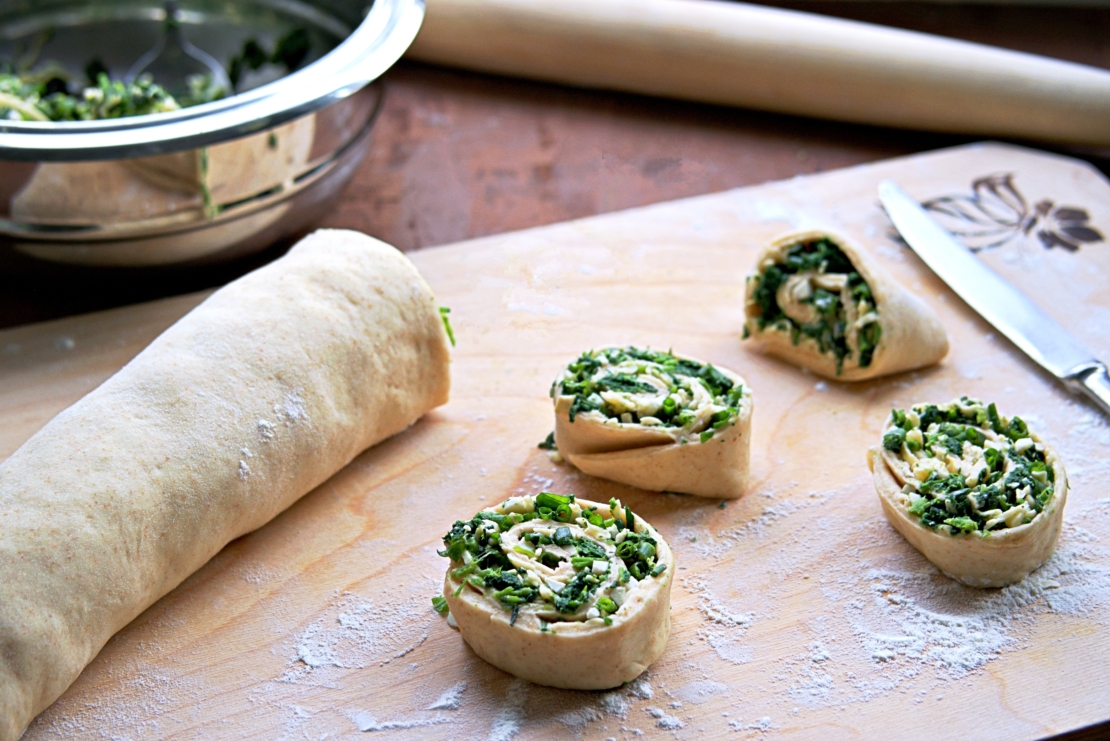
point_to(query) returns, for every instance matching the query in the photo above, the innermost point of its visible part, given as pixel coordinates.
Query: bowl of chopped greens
(115, 151)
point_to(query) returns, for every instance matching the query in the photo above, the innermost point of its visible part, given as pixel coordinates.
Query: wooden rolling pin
(777, 60)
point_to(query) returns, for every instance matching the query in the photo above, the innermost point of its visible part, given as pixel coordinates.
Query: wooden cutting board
(797, 611)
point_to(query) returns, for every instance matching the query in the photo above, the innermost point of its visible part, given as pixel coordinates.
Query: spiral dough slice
(655, 420)
(981, 496)
(818, 300)
(561, 592)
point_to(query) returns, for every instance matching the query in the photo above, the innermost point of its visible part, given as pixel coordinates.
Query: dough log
(571, 597)
(656, 421)
(816, 299)
(251, 400)
(979, 495)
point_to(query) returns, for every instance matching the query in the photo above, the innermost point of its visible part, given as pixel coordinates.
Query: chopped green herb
(1004, 485)
(632, 385)
(439, 603)
(30, 100)
(443, 312)
(546, 499)
(894, 439)
(828, 310)
(290, 52)
(965, 524)
(481, 557)
(549, 442)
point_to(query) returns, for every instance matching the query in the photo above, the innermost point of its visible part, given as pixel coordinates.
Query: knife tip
(889, 187)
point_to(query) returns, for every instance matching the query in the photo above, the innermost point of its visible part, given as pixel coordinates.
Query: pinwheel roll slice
(981, 496)
(561, 592)
(655, 420)
(818, 300)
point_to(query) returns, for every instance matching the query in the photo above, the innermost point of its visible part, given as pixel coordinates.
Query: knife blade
(1010, 311)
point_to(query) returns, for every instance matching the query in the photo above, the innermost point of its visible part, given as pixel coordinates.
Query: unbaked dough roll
(979, 495)
(561, 592)
(254, 398)
(818, 300)
(655, 420)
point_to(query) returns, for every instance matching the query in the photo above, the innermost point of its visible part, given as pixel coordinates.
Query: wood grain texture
(773, 59)
(797, 610)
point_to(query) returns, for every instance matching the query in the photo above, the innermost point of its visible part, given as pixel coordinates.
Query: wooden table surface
(457, 155)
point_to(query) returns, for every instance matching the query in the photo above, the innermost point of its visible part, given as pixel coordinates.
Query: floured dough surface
(980, 495)
(251, 400)
(561, 592)
(655, 420)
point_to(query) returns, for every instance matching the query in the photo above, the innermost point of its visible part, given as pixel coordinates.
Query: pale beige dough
(571, 655)
(912, 335)
(1004, 557)
(655, 458)
(251, 400)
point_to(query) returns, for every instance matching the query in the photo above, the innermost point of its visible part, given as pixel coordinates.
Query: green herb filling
(549, 556)
(653, 389)
(49, 92)
(969, 468)
(827, 300)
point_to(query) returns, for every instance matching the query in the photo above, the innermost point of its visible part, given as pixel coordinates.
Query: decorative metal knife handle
(1093, 381)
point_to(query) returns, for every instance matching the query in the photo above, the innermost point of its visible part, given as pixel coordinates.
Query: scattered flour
(613, 704)
(762, 725)
(366, 722)
(725, 626)
(265, 430)
(356, 633)
(580, 718)
(664, 721)
(533, 483)
(507, 723)
(449, 700)
(292, 407)
(641, 688)
(886, 624)
(701, 691)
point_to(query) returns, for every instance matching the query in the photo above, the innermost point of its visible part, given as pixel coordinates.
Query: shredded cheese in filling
(967, 469)
(633, 386)
(812, 290)
(548, 556)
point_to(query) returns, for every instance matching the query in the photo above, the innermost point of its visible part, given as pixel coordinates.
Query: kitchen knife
(1010, 311)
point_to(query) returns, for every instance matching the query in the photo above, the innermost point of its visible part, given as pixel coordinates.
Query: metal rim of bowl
(378, 42)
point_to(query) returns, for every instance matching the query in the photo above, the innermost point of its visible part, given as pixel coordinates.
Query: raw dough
(1007, 544)
(568, 650)
(909, 334)
(251, 400)
(625, 436)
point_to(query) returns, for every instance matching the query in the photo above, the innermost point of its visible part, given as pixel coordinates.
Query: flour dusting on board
(887, 625)
(506, 725)
(449, 700)
(895, 625)
(357, 632)
(367, 722)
